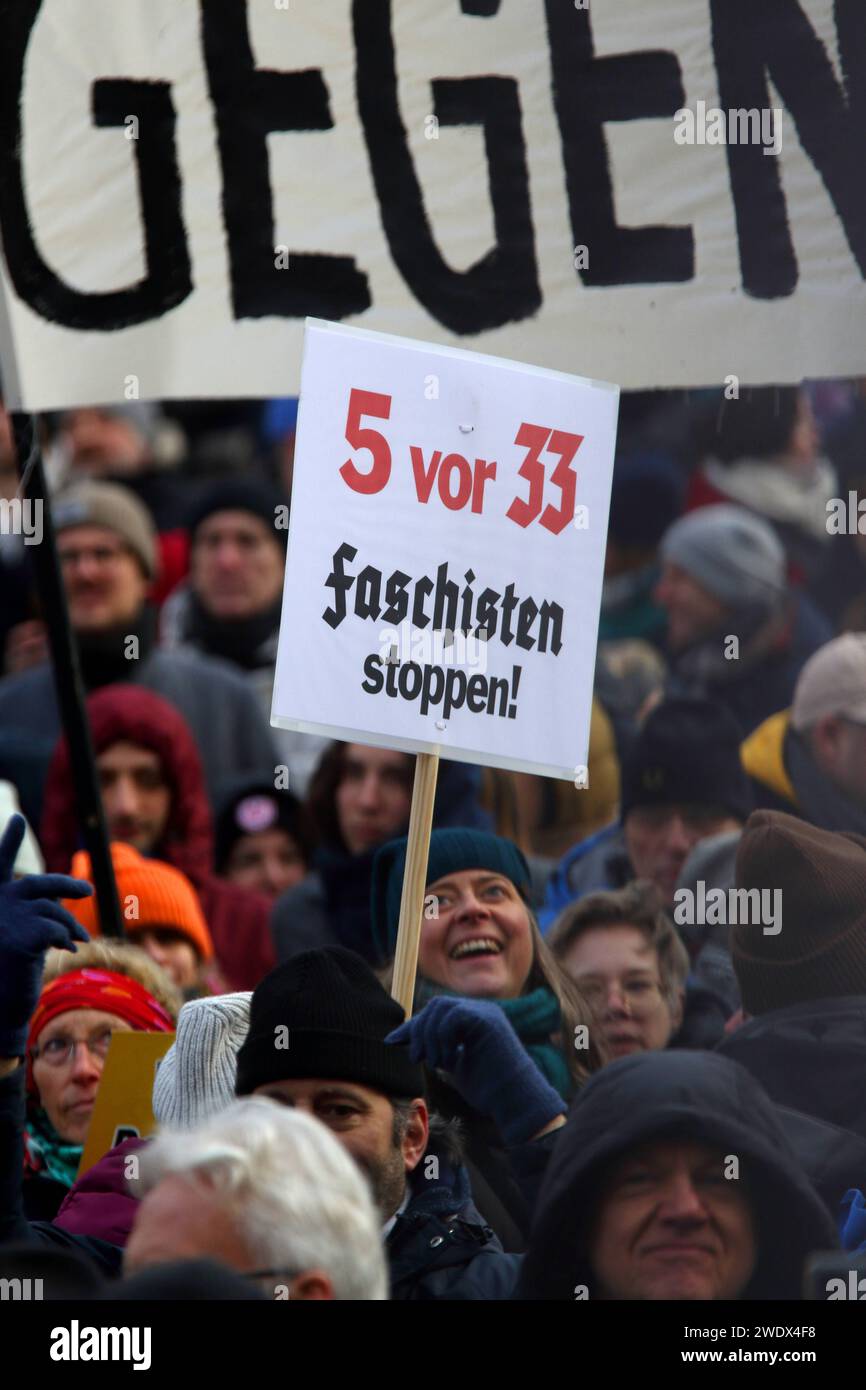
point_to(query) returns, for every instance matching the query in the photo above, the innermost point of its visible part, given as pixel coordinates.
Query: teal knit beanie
(450, 852)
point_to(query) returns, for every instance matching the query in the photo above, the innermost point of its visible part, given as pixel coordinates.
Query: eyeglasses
(638, 994)
(59, 1050)
(698, 818)
(102, 555)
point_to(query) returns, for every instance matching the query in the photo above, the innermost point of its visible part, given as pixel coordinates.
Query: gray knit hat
(736, 556)
(115, 507)
(196, 1077)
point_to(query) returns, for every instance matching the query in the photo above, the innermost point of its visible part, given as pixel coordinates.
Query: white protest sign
(664, 194)
(446, 546)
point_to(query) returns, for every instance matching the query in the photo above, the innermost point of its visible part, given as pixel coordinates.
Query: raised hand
(472, 1040)
(31, 920)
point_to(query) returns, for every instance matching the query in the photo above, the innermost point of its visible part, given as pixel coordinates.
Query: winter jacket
(794, 507)
(14, 1225)
(763, 757)
(299, 752)
(598, 864)
(504, 1181)
(784, 777)
(440, 1247)
(758, 683)
(809, 1057)
(701, 1097)
(99, 1203)
(237, 918)
(232, 735)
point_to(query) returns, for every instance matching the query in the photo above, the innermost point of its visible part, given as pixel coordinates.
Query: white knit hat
(196, 1077)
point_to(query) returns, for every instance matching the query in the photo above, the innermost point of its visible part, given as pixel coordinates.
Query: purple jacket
(100, 1203)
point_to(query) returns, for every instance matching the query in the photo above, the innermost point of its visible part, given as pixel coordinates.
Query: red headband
(99, 989)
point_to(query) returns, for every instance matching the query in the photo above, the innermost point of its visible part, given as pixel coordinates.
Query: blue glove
(30, 922)
(473, 1041)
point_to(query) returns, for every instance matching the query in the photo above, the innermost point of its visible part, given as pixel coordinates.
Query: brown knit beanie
(820, 950)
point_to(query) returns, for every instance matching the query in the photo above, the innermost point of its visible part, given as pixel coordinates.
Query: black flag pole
(67, 674)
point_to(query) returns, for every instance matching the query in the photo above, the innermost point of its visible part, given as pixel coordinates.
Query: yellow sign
(123, 1101)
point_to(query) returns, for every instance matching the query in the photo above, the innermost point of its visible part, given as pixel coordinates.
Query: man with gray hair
(810, 760)
(734, 634)
(269, 1192)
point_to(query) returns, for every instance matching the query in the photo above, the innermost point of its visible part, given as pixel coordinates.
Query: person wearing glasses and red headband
(61, 1024)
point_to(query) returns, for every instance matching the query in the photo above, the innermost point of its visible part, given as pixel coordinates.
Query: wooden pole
(67, 676)
(414, 880)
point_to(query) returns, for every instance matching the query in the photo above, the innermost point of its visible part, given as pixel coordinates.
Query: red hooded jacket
(238, 919)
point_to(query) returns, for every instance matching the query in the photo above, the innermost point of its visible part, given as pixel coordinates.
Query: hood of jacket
(702, 1097)
(134, 714)
(763, 755)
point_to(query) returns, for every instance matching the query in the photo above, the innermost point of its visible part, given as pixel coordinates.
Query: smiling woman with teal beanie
(506, 1037)
(494, 1012)
(479, 940)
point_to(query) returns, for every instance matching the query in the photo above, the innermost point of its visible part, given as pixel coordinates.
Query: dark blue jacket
(440, 1247)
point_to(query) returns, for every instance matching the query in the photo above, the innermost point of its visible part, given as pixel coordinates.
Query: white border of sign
(378, 739)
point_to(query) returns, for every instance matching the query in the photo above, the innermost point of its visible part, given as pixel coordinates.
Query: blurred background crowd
(730, 687)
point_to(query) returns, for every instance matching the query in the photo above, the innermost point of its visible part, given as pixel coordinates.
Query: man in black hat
(317, 1034)
(230, 606)
(682, 782)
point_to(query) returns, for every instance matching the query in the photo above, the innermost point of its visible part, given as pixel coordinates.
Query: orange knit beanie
(151, 893)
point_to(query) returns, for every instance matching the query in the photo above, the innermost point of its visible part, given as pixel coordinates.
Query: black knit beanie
(253, 805)
(324, 1014)
(687, 753)
(245, 494)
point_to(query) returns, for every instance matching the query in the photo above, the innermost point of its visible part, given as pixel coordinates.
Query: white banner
(446, 549)
(665, 194)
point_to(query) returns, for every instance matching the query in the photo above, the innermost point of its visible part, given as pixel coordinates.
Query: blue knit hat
(450, 851)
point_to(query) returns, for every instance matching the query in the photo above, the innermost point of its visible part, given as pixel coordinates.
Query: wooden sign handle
(414, 880)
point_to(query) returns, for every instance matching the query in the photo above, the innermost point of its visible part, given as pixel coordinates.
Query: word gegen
(504, 615)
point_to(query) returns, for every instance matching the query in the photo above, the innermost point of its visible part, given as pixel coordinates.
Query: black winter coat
(809, 1057)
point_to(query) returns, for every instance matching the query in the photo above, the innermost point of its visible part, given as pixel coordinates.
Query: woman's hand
(473, 1041)
(31, 920)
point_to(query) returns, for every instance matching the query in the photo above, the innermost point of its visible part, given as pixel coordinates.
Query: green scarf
(534, 1018)
(47, 1153)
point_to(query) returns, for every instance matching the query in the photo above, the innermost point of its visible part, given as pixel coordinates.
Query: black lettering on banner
(501, 287)
(249, 103)
(775, 38)
(449, 688)
(168, 279)
(373, 671)
(587, 92)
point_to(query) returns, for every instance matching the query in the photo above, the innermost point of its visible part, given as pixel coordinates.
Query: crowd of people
(634, 1060)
